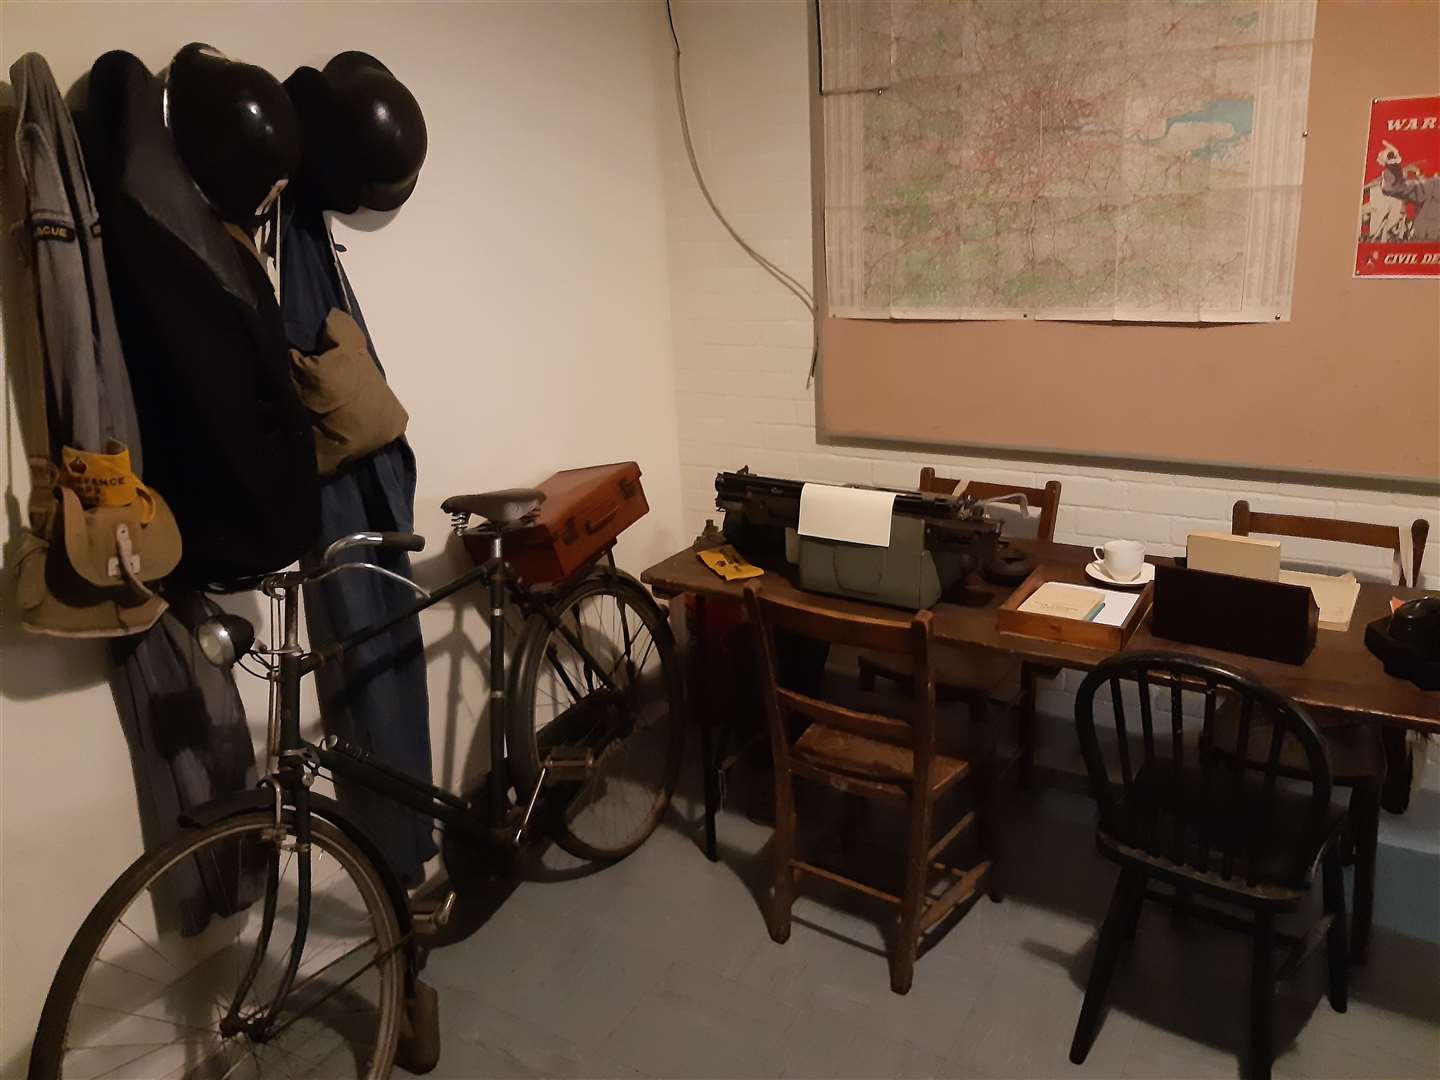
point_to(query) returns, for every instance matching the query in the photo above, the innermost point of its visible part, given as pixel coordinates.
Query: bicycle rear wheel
(147, 986)
(603, 679)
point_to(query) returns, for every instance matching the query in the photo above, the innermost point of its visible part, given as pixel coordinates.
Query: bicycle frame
(296, 760)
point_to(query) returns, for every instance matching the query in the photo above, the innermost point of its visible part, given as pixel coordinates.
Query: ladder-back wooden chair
(883, 758)
(978, 677)
(1175, 810)
(1361, 755)
(1244, 522)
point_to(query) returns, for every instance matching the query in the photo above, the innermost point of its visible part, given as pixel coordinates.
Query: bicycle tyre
(50, 1046)
(525, 730)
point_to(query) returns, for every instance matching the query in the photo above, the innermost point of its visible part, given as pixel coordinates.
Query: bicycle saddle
(501, 507)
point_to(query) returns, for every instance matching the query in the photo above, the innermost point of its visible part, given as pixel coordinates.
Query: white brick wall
(742, 344)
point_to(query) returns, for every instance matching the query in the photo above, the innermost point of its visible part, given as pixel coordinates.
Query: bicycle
(307, 974)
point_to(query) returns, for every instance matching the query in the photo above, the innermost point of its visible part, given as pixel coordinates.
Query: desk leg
(1026, 734)
(705, 714)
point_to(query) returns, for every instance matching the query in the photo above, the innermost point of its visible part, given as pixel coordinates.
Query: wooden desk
(1340, 674)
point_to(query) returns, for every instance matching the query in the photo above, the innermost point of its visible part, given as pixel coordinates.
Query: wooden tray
(1011, 620)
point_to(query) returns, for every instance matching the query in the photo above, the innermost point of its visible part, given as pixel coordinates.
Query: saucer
(1096, 570)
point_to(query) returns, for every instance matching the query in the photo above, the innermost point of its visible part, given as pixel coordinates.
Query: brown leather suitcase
(583, 512)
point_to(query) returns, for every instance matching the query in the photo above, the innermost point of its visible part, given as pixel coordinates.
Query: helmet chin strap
(273, 197)
(271, 250)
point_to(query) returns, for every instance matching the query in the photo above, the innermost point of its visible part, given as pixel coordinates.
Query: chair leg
(867, 673)
(1365, 826)
(1129, 895)
(783, 891)
(1262, 997)
(986, 812)
(989, 813)
(1333, 885)
(1132, 919)
(907, 923)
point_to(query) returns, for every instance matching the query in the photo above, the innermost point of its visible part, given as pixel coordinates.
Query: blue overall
(375, 696)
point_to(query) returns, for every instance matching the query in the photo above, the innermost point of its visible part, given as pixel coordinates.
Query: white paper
(1334, 596)
(855, 515)
(1117, 607)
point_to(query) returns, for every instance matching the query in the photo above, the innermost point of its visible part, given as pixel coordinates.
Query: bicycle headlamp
(224, 639)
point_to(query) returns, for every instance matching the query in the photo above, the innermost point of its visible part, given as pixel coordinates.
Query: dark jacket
(227, 442)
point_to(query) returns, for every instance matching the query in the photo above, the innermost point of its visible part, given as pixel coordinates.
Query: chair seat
(502, 507)
(958, 672)
(871, 760)
(1231, 820)
(1356, 755)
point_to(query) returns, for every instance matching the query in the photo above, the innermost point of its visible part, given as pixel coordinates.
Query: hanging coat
(375, 696)
(89, 515)
(189, 744)
(228, 443)
(90, 403)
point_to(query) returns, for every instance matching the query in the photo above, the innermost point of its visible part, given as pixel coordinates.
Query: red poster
(1400, 203)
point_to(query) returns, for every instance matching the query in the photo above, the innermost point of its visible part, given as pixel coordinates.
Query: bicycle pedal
(565, 764)
(428, 920)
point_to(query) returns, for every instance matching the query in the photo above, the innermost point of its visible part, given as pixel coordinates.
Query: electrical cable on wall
(799, 291)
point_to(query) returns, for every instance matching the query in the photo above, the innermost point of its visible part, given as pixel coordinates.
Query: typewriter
(934, 542)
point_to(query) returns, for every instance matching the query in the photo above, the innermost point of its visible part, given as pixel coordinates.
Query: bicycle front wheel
(172, 972)
(598, 680)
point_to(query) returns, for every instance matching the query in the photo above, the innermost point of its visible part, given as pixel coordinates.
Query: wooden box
(1269, 619)
(583, 512)
(1011, 620)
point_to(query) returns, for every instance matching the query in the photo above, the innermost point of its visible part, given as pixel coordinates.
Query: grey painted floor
(661, 967)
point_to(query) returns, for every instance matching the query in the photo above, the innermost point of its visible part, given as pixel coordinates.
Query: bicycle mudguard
(244, 802)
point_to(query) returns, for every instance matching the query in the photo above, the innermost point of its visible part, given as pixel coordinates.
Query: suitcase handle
(592, 527)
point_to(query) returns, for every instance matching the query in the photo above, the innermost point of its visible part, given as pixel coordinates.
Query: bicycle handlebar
(395, 540)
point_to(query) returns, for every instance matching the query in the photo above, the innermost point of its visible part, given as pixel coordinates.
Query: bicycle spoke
(580, 635)
(152, 948)
(553, 655)
(240, 1060)
(128, 971)
(163, 1014)
(152, 1019)
(339, 959)
(624, 656)
(379, 958)
(641, 665)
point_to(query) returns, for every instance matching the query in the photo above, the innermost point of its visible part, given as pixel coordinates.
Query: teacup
(1122, 559)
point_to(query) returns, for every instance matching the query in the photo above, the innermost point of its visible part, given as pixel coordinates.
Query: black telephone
(1408, 641)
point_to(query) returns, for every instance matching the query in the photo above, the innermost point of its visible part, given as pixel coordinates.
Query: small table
(1340, 675)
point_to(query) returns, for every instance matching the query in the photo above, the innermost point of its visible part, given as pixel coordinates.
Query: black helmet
(233, 126)
(365, 136)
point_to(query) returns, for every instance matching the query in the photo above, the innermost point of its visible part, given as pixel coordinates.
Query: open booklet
(1106, 607)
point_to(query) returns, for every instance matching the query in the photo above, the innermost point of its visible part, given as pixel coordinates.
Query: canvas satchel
(109, 540)
(353, 410)
(118, 533)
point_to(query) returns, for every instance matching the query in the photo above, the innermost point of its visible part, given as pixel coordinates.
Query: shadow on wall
(458, 648)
